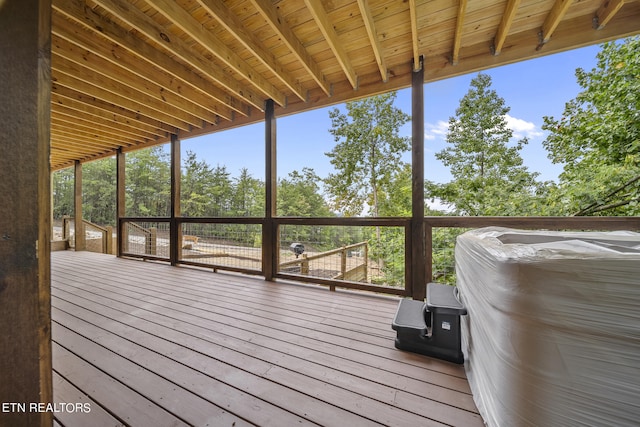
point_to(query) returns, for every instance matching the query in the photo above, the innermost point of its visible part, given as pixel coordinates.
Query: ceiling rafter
(266, 9)
(326, 28)
(175, 46)
(124, 59)
(100, 66)
(607, 10)
(81, 78)
(505, 26)
(559, 9)
(86, 138)
(67, 101)
(92, 123)
(457, 38)
(63, 110)
(233, 25)
(370, 25)
(69, 92)
(413, 16)
(105, 28)
(187, 23)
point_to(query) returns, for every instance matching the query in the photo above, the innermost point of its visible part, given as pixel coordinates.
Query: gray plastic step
(410, 317)
(444, 299)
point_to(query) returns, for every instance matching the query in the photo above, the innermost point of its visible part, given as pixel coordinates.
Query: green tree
(99, 191)
(248, 195)
(489, 177)
(195, 186)
(63, 192)
(597, 139)
(367, 153)
(221, 192)
(299, 195)
(148, 182)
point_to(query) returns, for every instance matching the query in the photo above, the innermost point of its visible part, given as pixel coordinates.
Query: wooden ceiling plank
(78, 144)
(326, 28)
(122, 58)
(91, 137)
(95, 93)
(457, 38)
(81, 79)
(369, 24)
(120, 117)
(266, 9)
(505, 26)
(558, 11)
(62, 110)
(84, 123)
(413, 16)
(164, 100)
(75, 10)
(181, 18)
(176, 46)
(250, 41)
(605, 12)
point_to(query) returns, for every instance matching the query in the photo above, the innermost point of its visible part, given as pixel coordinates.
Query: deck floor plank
(95, 414)
(192, 344)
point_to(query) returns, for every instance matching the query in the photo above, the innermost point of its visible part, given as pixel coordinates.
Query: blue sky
(532, 89)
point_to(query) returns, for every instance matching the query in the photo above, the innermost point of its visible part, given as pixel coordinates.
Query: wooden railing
(227, 256)
(106, 235)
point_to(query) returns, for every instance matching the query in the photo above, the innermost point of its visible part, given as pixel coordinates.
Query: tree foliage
(489, 177)
(367, 154)
(597, 139)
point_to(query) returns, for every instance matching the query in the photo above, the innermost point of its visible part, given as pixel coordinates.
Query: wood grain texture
(190, 343)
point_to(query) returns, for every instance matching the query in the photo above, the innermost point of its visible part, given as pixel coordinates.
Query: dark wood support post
(419, 257)
(120, 200)
(269, 230)
(175, 228)
(25, 228)
(80, 235)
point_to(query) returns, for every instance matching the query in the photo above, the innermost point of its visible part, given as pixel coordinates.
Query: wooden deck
(146, 344)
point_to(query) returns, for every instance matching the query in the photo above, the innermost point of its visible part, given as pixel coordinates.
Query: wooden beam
(457, 37)
(505, 24)
(102, 27)
(182, 19)
(25, 237)
(269, 229)
(107, 89)
(229, 20)
(413, 16)
(175, 231)
(120, 197)
(418, 256)
(331, 37)
(82, 102)
(605, 12)
(559, 9)
(122, 59)
(104, 69)
(79, 234)
(370, 25)
(277, 23)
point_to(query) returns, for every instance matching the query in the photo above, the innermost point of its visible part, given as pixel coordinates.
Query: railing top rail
(103, 229)
(322, 254)
(546, 222)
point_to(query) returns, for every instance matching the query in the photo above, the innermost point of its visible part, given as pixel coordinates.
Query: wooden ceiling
(131, 73)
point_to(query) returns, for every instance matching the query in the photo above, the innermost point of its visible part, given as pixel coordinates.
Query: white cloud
(522, 128)
(434, 131)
